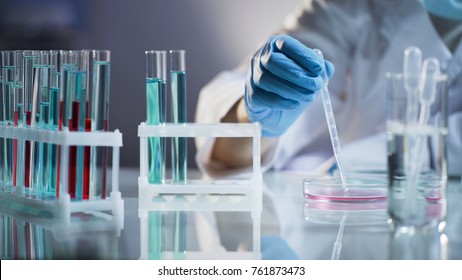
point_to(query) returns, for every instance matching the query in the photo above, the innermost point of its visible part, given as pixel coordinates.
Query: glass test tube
(39, 115)
(53, 121)
(9, 68)
(179, 145)
(156, 114)
(18, 177)
(68, 63)
(99, 120)
(79, 113)
(29, 59)
(2, 140)
(178, 98)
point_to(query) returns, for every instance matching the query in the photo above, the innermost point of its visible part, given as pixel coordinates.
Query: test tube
(179, 145)
(39, 115)
(79, 113)
(99, 120)
(29, 59)
(178, 98)
(9, 68)
(156, 112)
(2, 140)
(18, 177)
(53, 121)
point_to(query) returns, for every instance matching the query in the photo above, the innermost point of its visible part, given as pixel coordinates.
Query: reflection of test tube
(179, 145)
(99, 120)
(156, 112)
(9, 68)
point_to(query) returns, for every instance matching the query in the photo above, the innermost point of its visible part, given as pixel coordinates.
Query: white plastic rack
(238, 195)
(60, 210)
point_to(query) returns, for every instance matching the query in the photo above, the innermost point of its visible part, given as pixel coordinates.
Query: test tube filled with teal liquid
(9, 70)
(39, 117)
(99, 120)
(179, 145)
(156, 115)
(53, 121)
(156, 112)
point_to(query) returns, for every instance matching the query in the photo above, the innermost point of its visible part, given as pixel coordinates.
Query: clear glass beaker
(416, 152)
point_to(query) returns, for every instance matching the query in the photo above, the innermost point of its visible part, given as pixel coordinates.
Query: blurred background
(216, 34)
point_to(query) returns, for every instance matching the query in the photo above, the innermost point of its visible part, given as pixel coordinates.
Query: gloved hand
(275, 248)
(284, 77)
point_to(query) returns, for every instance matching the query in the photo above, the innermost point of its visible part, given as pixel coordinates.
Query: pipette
(331, 125)
(335, 140)
(427, 94)
(411, 75)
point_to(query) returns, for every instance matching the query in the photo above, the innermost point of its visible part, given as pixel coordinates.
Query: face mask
(450, 9)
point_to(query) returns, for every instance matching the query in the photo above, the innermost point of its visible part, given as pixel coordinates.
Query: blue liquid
(8, 93)
(53, 123)
(179, 153)
(179, 145)
(80, 96)
(156, 115)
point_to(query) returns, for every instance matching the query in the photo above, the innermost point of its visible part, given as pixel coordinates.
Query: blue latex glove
(284, 77)
(275, 248)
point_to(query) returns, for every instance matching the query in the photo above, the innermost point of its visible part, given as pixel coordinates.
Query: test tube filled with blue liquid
(179, 145)
(99, 120)
(9, 69)
(53, 121)
(156, 112)
(40, 115)
(156, 115)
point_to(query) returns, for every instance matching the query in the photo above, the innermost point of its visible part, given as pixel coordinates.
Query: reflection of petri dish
(358, 188)
(327, 212)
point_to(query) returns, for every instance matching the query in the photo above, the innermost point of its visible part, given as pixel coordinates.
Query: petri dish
(328, 212)
(358, 188)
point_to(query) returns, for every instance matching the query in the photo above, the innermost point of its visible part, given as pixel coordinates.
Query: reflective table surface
(292, 227)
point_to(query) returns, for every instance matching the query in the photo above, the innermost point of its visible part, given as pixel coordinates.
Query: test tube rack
(58, 213)
(237, 195)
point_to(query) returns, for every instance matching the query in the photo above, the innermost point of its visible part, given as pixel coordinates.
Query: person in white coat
(278, 85)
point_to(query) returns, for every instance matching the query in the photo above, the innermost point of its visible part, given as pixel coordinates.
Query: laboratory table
(292, 227)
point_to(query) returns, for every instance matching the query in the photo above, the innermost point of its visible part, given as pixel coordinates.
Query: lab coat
(364, 39)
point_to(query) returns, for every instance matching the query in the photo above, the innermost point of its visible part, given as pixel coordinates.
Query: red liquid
(27, 154)
(73, 126)
(86, 165)
(15, 149)
(60, 127)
